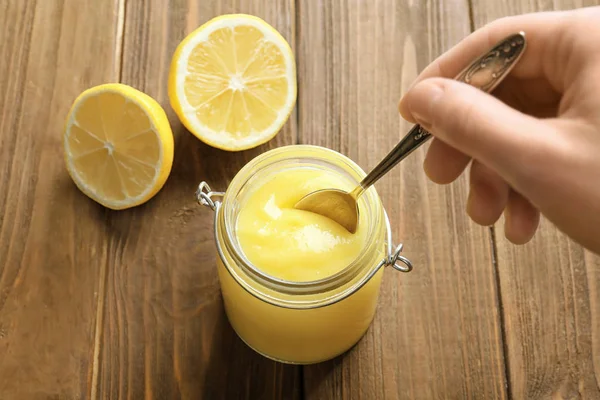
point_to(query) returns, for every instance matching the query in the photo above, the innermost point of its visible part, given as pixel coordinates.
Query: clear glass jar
(299, 322)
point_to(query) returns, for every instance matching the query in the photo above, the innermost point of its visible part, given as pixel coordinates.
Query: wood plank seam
(14, 125)
(295, 43)
(102, 286)
(494, 249)
(120, 37)
(503, 333)
(98, 328)
(295, 35)
(471, 15)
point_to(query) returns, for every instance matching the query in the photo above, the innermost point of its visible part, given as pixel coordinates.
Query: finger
(540, 29)
(522, 219)
(481, 126)
(488, 195)
(443, 164)
(531, 96)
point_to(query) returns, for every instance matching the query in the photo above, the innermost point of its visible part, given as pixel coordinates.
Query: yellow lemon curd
(296, 245)
(301, 247)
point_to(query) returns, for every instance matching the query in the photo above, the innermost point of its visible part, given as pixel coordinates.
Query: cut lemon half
(232, 82)
(118, 145)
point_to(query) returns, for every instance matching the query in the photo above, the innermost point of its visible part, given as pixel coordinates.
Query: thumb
(476, 124)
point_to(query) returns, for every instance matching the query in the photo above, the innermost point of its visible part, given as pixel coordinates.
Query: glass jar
(299, 322)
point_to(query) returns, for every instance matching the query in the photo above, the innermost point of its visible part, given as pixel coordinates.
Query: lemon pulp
(232, 82)
(118, 145)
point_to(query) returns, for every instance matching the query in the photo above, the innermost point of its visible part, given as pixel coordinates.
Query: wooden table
(126, 305)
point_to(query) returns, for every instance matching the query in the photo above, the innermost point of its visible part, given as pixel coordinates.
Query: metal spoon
(485, 73)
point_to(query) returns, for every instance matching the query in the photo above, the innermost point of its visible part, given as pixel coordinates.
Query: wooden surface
(165, 334)
(550, 290)
(126, 305)
(437, 331)
(53, 242)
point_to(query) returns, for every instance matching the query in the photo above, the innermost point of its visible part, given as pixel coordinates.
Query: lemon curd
(297, 287)
(290, 244)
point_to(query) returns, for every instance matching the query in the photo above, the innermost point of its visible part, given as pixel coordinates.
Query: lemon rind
(187, 114)
(163, 166)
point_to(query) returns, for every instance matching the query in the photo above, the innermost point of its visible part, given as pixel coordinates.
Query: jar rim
(307, 153)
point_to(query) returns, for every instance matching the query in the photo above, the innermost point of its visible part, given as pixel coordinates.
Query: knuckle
(456, 117)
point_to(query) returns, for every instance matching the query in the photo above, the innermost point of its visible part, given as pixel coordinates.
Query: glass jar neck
(299, 156)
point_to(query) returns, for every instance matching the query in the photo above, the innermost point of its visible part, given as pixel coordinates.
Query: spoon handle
(485, 73)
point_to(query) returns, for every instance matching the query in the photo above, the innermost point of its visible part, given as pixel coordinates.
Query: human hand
(534, 144)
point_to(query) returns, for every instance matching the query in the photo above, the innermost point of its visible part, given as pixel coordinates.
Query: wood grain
(101, 304)
(550, 289)
(165, 333)
(437, 332)
(52, 245)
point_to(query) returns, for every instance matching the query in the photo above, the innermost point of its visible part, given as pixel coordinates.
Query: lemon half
(232, 82)
(118, 145)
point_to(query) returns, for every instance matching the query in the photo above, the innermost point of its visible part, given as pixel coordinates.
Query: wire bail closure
(394, 258)
(206, 197)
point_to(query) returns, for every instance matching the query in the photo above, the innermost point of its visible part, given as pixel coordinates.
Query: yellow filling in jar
(291, 244)
(297, 287)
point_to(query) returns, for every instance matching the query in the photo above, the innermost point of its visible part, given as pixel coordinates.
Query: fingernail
(422, 101)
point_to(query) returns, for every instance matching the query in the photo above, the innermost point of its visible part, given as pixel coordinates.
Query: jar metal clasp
(205, 196)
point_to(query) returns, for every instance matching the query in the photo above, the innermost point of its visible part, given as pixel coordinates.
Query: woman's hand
(535, 144)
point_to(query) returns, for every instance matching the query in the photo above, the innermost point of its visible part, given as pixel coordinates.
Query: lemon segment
(232, 82)
(118, 145)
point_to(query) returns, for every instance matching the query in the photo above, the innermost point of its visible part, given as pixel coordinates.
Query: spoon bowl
(334, 204)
